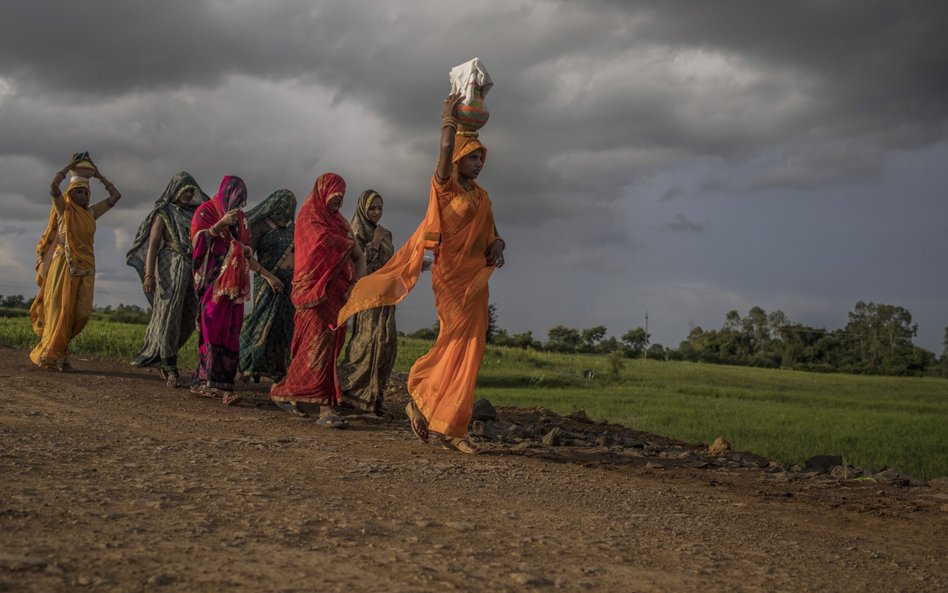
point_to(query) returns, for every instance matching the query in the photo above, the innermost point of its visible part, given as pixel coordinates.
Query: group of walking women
(194, 255)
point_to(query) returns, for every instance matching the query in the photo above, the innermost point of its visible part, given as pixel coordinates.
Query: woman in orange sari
(65, 264)
(327, 261)
(459, 228)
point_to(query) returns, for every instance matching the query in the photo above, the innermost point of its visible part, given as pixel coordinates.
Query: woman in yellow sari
(65, 264)
(459, 228)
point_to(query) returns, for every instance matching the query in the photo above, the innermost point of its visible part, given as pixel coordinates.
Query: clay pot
(83, 169)
(473, 116)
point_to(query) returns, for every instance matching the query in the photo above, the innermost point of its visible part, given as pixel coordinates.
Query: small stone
(891, 476)
(580, 416)
(160, 580)
(604, 440)
(484, 410)
(719, 447)
(528, 580)
(939, 483)
(653, 465)
(552, 438)
(846, 472)
(14, 562)
(54, 569)
(823, 463)
(631, 443)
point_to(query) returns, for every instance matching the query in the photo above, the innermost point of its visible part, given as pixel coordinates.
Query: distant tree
(592, 337)
(635, 342)
(880, 337)
(427, 333)
(15, 301)
(656, 352)
(563, 339)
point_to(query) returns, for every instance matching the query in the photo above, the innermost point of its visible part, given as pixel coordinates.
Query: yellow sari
(65, 274)
(458, 226)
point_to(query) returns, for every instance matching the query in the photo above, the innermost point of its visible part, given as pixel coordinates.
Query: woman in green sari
(265, 339)
(370, 355)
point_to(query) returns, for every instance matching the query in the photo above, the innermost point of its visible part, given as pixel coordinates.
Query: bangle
(147, 276)
(449, 121)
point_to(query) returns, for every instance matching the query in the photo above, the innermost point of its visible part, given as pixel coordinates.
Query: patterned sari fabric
(65, 274)
(370, 354)
(222, 284)
(459, 227)
(323, 275)
(174, 303)
(265, 339)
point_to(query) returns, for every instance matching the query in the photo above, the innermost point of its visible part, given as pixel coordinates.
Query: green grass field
(788, 416)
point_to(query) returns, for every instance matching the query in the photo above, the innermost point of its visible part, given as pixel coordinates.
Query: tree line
(17, 305)
(877, 339)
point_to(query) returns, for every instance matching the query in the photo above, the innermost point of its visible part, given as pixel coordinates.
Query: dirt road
(111, 482)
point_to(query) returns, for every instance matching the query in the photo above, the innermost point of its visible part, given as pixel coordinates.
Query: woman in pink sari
(222, 263)
(327, 262)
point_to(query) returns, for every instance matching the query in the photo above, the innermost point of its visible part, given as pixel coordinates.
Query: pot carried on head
(83, 168)
(473, 82)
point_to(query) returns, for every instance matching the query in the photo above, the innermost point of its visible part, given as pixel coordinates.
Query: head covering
(362, 226)
(465, 145)
(234, 279)
(280, 207)
(323, 243)
(165, 207)
(78, 181)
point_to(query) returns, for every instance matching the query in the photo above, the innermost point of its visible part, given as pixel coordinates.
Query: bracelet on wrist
(449, 121)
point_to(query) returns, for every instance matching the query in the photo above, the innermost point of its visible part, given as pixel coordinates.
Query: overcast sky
(679, 158)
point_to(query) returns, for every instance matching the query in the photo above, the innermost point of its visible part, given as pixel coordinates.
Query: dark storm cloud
(605, 115)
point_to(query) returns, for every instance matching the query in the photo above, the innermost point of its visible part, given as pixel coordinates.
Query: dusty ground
(111, 482)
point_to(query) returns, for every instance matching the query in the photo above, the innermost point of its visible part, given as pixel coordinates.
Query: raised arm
(449, 127)
(54, 191)
(114, 195)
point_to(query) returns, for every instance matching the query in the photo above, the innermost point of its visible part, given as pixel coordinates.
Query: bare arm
(358, 257)
(114, 195)
(449, 127)
(155, 238)
(275, 283)
(54, 191)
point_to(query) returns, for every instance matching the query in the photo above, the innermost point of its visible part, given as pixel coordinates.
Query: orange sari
(65, 274)
(458, 227)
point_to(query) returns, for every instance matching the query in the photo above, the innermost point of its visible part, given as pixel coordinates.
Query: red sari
(322, 277)
(222, 282)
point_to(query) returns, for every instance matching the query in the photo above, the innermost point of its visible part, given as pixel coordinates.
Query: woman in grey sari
(370, 354)
(266, 335)
(161, 253)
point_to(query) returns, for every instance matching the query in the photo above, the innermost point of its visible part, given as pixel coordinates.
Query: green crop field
(788, 416)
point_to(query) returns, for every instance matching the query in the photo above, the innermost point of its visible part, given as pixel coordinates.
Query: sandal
(460, 445)
(163, 374)
(65, 367)
(202, 392)
(419, 425)
(331, 421)
(229, 398)
(172, 379)
(291, 408)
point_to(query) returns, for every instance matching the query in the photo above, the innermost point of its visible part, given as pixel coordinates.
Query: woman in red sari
(327, 261)
(220, 237)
